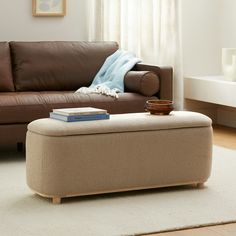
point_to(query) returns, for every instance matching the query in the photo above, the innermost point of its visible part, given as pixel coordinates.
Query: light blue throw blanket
(110, 78)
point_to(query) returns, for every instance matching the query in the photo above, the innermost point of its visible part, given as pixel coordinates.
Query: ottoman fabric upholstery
(129, 151)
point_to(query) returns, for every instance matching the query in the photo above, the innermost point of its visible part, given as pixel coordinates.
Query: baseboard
(205, 108)
(226, 116)
(222, 115)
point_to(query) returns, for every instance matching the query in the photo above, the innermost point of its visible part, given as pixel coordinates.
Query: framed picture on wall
(49, 7)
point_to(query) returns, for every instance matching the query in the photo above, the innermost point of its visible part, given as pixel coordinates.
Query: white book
(79, 111)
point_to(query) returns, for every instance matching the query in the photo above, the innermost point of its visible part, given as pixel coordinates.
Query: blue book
(74, 118)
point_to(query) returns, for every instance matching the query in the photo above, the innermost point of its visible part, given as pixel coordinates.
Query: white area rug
(22, 213)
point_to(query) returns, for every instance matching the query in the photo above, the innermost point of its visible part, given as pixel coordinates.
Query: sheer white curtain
(150, 28)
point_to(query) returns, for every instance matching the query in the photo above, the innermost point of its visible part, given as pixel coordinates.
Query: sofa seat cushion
(24, 107)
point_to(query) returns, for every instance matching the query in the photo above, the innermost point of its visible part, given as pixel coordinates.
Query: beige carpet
(22, 213)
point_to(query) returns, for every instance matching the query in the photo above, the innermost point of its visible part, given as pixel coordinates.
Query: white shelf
(213, 89)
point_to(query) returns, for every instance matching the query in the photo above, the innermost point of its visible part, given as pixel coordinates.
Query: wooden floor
(225, 137)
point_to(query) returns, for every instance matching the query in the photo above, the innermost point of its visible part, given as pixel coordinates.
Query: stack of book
(79, 114)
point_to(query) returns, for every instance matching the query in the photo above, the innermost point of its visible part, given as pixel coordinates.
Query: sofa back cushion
(39, 66)
(6, 80)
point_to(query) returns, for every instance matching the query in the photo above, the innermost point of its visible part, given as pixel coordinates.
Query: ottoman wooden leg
(200, 185)
(56, 200)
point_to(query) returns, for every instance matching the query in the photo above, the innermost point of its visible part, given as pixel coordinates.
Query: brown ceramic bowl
(159, 107)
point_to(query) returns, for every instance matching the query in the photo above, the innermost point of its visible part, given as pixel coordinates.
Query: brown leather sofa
(36, 77)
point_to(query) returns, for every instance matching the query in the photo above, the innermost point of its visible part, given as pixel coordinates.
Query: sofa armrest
(165, 75)
(143, 82)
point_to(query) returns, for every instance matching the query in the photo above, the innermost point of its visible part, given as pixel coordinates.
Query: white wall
(228, 23)
(207, 26)
(201, 37)
(17, 22)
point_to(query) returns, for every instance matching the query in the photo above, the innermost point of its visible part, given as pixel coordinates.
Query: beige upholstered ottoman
(127, 152)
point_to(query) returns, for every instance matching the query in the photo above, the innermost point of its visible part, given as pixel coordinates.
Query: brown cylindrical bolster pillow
(144, 82)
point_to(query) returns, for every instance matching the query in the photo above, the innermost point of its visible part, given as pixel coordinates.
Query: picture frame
(49, 7)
